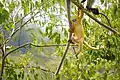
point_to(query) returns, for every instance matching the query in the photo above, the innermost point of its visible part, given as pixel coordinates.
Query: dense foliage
(34, 34)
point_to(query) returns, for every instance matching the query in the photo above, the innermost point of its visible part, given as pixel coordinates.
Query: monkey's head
(74, 20)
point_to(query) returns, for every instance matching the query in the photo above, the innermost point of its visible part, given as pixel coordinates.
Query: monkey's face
(74, 20)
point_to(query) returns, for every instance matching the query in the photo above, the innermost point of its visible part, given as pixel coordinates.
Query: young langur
(77, 31)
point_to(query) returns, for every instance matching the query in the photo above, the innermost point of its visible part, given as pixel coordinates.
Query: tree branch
(2, 64)
(51, 45)
(87, 13)
(34, 46)
(70, 34)
(37, 67)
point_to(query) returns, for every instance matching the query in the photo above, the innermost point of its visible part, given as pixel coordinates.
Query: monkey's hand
(71, 29)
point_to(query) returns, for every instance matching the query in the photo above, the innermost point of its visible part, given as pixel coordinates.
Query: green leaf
(4, 15)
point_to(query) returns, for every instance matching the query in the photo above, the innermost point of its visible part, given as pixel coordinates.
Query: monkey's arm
(80, 14)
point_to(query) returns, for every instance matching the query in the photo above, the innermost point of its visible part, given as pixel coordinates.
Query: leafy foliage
(44, 23)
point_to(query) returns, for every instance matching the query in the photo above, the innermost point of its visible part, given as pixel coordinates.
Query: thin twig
(2, 65)
(70, 34)
(4, 57)
(75, 52)
(61, 62)
(48, 45)
(27, 44)
(9, 38)
(37, 67)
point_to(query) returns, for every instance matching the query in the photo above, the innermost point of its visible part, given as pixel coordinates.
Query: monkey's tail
(92, 48)
(106, 18)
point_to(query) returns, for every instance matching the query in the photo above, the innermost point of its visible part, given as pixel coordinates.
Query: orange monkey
(78, 32)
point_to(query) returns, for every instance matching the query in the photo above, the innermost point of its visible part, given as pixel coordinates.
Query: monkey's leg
(80, 46)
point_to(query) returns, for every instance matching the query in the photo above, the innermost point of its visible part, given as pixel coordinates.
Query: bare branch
(75, 52)
(61, 62)
(48, 45)
(2, 66)
(70, 34)
(28, 44)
